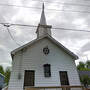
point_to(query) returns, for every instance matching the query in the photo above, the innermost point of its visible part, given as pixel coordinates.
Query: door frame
(24, 77)
(67, 77)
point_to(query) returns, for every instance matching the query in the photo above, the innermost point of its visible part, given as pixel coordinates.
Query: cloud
(86, 47)
(78, 42)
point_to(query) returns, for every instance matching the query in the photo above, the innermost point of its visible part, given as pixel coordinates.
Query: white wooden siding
(33, 59)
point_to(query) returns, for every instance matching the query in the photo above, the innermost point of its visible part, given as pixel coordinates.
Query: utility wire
(7, 27)
(66, 29)
(46, 9)
(63, 29)
(74, 4)
(18, 6)
(11, 24)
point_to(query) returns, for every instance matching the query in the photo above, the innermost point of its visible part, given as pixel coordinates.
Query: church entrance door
(64, 78)
(29, 78)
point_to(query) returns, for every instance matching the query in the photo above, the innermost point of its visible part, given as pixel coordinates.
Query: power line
(63, 29)
(19, 6)
(11, 24)
(46, 9)
(12, 37)
(7, 27)
(72, 29)
(63, 3)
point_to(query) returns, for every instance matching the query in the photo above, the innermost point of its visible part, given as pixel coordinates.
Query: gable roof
(50, 38)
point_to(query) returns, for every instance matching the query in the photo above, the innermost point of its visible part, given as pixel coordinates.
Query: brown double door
(29, 78)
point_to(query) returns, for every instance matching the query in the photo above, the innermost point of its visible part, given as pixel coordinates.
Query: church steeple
(43, 18)
(43, 28)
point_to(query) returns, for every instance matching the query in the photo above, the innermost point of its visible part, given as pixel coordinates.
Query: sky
(77, 42)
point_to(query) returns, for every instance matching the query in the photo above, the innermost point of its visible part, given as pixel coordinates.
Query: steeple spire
(43, 18)
(43, 28)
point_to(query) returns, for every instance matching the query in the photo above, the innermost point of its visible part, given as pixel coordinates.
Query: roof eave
(56, 42)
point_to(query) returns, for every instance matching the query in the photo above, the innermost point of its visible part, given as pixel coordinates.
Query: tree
(84, 66)
(7, 75)
(1, 70)
(81, 66)
(88, 64)
(85, 80)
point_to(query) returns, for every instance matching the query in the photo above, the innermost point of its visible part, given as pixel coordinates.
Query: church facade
(43, 62)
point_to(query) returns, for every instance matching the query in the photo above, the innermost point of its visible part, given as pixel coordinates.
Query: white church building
(43, 62)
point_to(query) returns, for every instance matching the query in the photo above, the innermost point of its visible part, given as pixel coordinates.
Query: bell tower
(43, 28)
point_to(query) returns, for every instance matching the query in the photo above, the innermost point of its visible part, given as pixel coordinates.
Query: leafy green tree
(7, 75)
(81, 66)
(84, 66)
(85, 80)
(1, 70)
(88, 64)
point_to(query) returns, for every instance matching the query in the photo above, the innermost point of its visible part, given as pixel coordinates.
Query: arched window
(47, 70)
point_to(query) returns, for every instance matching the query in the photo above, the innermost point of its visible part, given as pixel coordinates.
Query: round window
(46, 50)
